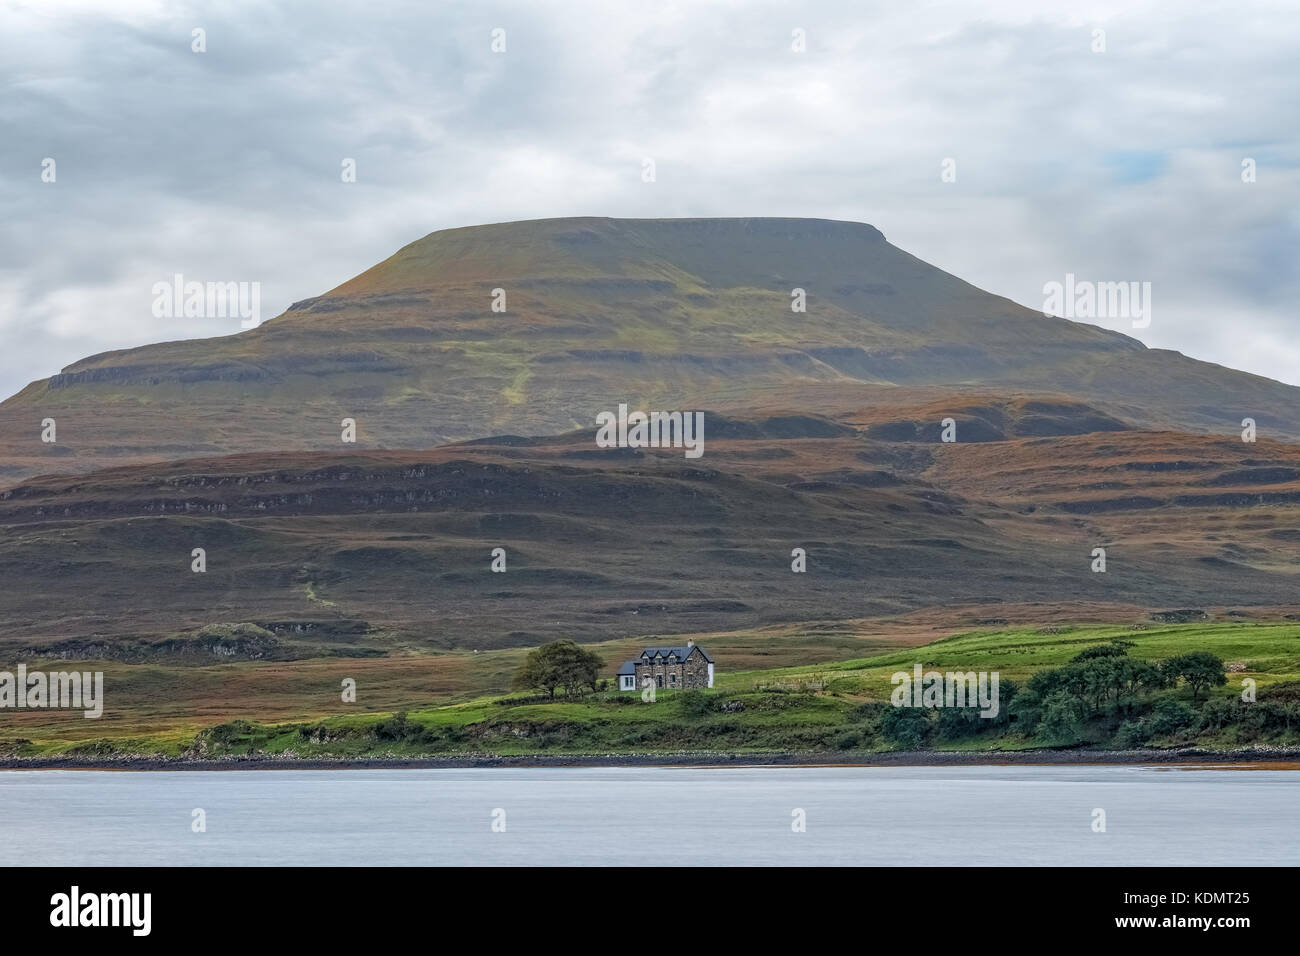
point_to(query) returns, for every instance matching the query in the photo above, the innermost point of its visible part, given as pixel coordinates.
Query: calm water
(976, 816)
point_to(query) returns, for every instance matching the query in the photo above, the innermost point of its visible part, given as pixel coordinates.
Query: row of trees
(1105, 680)
(1105, 676)
(1055, 704)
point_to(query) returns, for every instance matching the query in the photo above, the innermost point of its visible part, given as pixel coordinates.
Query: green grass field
(832, 706)
(1270, 654)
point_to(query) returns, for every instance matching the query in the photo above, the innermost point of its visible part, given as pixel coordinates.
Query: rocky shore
(1271, 757)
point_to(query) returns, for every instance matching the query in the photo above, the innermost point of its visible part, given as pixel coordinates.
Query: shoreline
(1244, 758)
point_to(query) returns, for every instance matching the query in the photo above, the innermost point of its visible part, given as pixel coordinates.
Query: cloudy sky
(225, 165)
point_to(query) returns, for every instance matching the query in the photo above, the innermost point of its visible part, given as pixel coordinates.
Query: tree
(1062, 718)
(1113, 649)
(559, 664)
(1200, 669)
(1026, 709)
(1098, 676)
(1136, 676)
(536, 673)
(956, 723)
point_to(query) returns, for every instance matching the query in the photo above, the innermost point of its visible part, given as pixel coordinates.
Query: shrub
(871, 713)
(695, 703)
(850, 740)
(1218, 714)
(907, 728)
(232, 731)
(398, 727)
(1131, 735)
(1168, 717)
(958, 722)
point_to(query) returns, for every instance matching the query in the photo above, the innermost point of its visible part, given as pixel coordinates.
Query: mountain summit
(535, 327)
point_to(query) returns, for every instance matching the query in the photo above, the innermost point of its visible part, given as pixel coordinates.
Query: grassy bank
(833, 706)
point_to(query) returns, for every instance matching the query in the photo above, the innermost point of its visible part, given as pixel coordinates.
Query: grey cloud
(225, 165)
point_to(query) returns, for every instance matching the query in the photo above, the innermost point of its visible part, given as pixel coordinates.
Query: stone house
(671, 668)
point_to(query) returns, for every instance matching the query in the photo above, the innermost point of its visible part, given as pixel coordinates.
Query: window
(659, 680)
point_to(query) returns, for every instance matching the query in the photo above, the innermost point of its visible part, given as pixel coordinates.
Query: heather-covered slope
(666, 314)
(362, 553)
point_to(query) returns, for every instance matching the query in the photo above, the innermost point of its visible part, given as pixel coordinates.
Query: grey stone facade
(674, 668)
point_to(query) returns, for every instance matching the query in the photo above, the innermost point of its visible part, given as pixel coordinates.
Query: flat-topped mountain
(670, 314)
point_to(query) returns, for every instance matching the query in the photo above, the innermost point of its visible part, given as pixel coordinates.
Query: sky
(1112, 156)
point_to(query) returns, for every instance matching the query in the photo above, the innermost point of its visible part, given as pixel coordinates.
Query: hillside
(667, 314)
(366, 553)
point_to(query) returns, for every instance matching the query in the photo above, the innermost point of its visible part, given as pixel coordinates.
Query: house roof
(629, 667)
(681, 652)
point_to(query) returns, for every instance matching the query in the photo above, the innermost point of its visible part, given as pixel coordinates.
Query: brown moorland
(668, 314)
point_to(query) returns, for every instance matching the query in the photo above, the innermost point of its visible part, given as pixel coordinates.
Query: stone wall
(695, 672)
(692, 673)
(659, 670)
